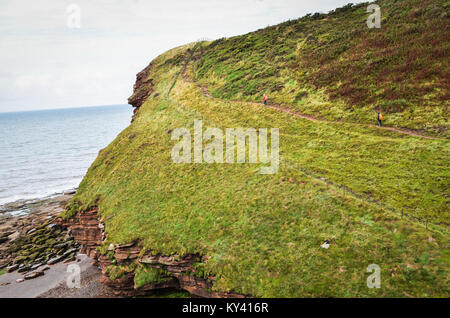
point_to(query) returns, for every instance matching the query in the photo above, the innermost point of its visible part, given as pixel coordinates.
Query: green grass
(378, 196)
(333, 66)
(2, 271)
(145, 275)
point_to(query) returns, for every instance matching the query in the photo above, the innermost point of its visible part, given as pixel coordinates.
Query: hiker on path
(265, 99)
(379, 118)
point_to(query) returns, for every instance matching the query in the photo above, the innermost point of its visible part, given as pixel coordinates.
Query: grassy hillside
(333, 66)
(379, 196)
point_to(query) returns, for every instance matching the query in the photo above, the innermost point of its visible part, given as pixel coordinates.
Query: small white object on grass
(325, 244)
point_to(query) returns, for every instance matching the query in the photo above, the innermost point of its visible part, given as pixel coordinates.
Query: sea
(47, 152)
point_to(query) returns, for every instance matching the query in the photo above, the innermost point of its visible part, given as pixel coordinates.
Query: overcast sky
(46, 64)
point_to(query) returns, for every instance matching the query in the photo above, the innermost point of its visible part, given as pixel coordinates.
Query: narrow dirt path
(308, 117)
(340, 190)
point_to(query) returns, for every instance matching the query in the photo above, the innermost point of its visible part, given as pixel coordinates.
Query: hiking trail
(300, 115)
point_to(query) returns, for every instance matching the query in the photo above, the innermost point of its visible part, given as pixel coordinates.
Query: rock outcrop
(179, 271)
(87, 231)
(30, 242)
(142, 89)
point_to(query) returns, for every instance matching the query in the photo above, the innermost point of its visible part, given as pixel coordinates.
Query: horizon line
(60, 108)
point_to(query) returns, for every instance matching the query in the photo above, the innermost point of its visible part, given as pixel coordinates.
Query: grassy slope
(333, 66)
(263, 233)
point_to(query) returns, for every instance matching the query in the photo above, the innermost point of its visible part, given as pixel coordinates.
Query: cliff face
(354, 185)
(142, 89)
(177, 272)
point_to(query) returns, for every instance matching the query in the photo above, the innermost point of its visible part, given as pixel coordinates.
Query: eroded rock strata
(34, 240)
(142, 90)
(119, 263)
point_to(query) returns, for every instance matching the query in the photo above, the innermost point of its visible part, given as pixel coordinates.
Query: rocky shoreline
(39, 244)
(123, 265)
(31, 238)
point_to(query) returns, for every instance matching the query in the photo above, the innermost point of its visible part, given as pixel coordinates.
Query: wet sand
(54, 283)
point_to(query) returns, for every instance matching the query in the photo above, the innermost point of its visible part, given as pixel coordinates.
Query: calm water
(47, 152)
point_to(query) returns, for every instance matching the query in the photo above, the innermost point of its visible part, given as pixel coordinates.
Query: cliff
(142, 89)
(378, 195)
(133, 266)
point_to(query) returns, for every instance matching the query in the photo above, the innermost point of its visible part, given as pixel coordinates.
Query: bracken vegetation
(333, 66)
(379, 197)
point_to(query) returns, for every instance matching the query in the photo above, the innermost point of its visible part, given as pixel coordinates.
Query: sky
(59, 54)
